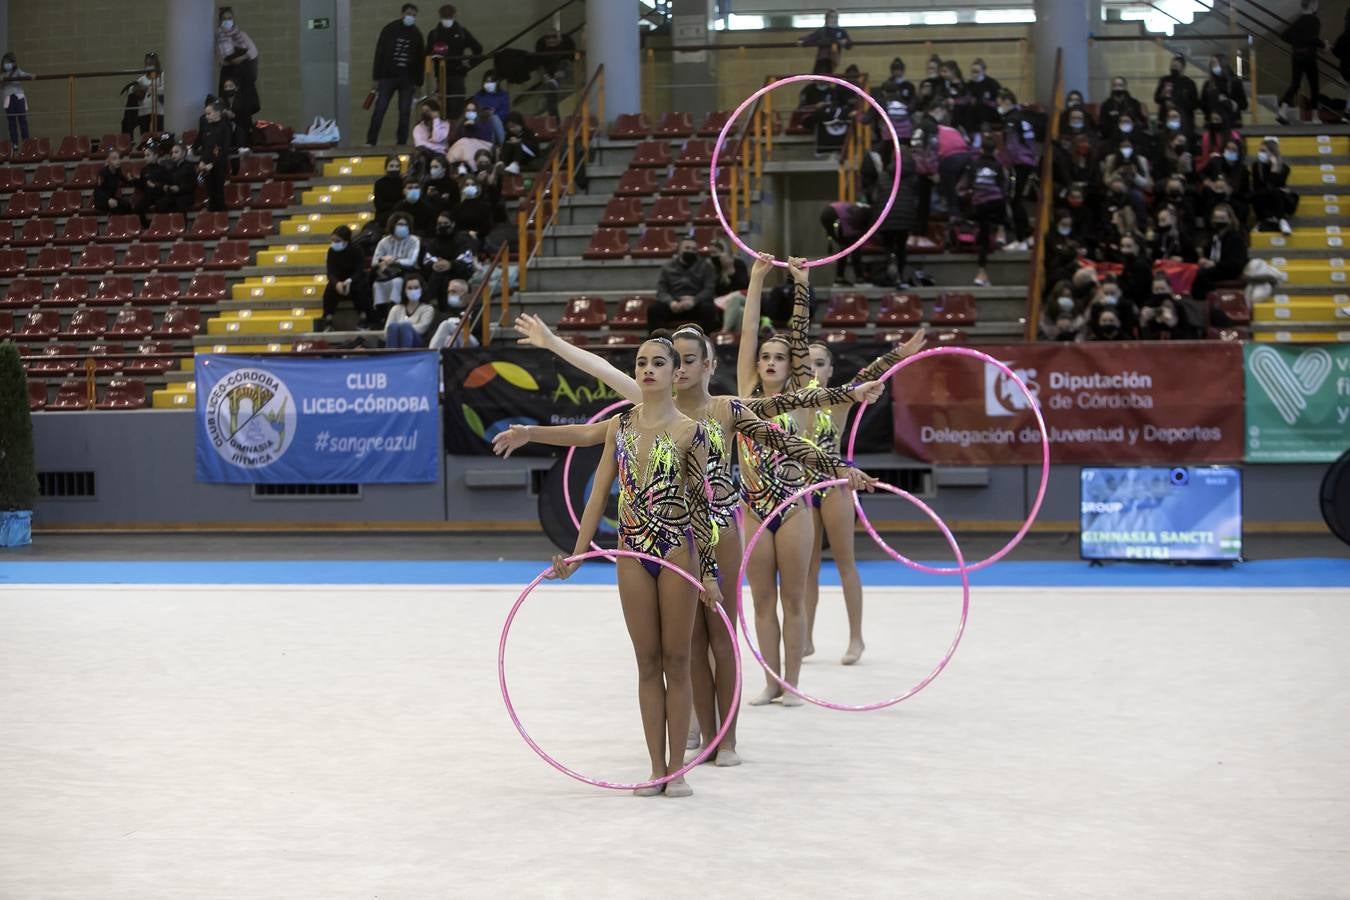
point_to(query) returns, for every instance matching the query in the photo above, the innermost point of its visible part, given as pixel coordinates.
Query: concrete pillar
(1064, 24)
(189, 58)
(693, 87)
(4, 24)
(612, 41)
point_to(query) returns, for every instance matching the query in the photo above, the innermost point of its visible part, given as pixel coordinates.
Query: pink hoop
(567, 471)
(961, 569)
(1045, 464)
(722, 137)
(703, 753)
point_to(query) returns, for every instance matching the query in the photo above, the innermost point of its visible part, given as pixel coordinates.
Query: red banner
(1119, 402)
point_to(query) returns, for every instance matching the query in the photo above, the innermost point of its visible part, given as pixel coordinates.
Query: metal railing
(745, 156)
(477, 313)
(1043, 201)
(1142, 80)
(42, 112)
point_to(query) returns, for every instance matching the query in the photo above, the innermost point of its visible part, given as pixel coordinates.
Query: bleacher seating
(953, 308)
(900, 309)
(713, 122)
(124, 393)
(621, 212)
(70, 290)
(73, 393)
(73, 148)
(630, 126)
(653, 154)
(632, 313)
(86, 322)
(668, 211)
(165, 227)
(655, 243)
(849, 310)
(674, 125)
(95, 259)
(583, 312)
(636, 183)
(607, 243)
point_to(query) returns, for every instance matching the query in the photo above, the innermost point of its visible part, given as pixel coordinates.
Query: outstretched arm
(700, 514)
(815, 459)
(798, 324)
(512, 439)
(595, 506)
(536, 333)
(745, 355)
(808, 398)
(877, 367)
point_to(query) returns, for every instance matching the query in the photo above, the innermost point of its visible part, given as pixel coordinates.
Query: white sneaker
(981, 282)
(514, 168)
(1285, 227)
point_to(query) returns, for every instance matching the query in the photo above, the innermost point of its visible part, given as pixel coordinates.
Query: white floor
(184, 742)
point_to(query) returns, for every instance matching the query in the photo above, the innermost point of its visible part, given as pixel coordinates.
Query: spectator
(1217, 133)
(1075, 198)
(1061, 319)
(907, 214)
(238, 57)
(1305, 39)
(554, 53)
(988, 187)
(1272, 201)
(1136, 272)
(1064, 235)
(180, 186)
(984, 91)
(1133, 167)
(1341, 50)
(396, 255)
(213, 154)
(449, 42)
(474, 213)
(494, 102)
(1171, 242)
(954, 155)
(1160, 320)
(832, 117)
(431, 134)
(410, 320)
(1103, 324)
(1021, 154)
(440, 189)
(930, 89)
(958, 98)
(449, 334)
(1074, 161)
(1074, 110)
(685, 291)
(844, 223)
(347, 277)
(418, 208)
(399, 59)
(1176, 156)
(732, 280)
(150, 184)
(448, 257)
(474, 125)
(1177, 195)
(1177, 89)
(388, 188)
(1223, 92)
(898, 97)
(15, 100)
(150, 90)
(828, 41)
(520, 151)
(1120, 103)
(1136, 131)
(108, 190)
(237, 114)
(1226, 180)
(1226, 255)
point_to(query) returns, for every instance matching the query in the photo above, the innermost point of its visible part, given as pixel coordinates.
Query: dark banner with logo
(490, 388)
(1126, 402)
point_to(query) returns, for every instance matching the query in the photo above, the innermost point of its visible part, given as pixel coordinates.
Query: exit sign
(319, 24)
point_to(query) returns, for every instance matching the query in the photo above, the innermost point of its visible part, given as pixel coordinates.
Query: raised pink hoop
(703, 754)
(961, 570)
(722, 137)
(1045, 464)
(567, 471)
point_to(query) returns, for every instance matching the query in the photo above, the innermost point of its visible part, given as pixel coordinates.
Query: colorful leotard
(666, 506)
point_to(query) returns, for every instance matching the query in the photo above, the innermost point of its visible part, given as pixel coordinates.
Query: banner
(359, 419)
(1298, 402)
(488, 389)
(1165, 401)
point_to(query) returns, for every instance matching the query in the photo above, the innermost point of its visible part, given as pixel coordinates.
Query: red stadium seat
(685, 180)
(45, 364)
(229, 255)
(669, 211)
(953, 308)
(102, 354)
(52, 259)
(41, 325)
(95, 259)
(633, 183)
(697, 153)
(255, 167)
(653, 154)
(72, 394)
(900, 309)
(79, 230)
(132, 322)
(124, 393)
(713, 122)
(140, 258)
(131, 169)
(238, 195)
(583, 312)
(1231, 305)
(120, 142)
(847, 310)
(23, 204)
(184, 256)
(544, 127)
(68, 291)
(895, 336)
(706, 215)
(64, 203)
(121, 229)
(632, 313)
(209, 226)
(674, 125)
(6, 150)
(152, 357)
(621, 212)
(253, 223)
(607, 243)
(6, 324)
(112, 290)
(621, 339)
(189, 137)
(85, 175)
(704, 235)
(86, 322)
(159, 289)
(73, 148)
(165, 227)
(725, 338)
(13, 178)
(630, 126)
(1232, 335)
(48, 177)
(837, 336)
(32, 150)
(800, 123)
(274, 195)
(22, 293)
(36, 232)
(13, 261)
(37, 395)
(575, 338)
(656, 243)
(180, 322)
(206, 287)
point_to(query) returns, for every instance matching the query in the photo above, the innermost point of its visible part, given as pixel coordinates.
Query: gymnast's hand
(762, 266)
(859, 480)
(797, 269)
(914, 344)
(867, 392)
(562, 569)
(533, 331)
(512, 439)
(712, 593)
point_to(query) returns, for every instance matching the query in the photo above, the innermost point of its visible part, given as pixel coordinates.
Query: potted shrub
(18, 479)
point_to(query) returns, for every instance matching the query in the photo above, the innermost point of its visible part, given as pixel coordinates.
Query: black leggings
(1020, 182)
(1303, 67)
(360, 299)
(987, 217)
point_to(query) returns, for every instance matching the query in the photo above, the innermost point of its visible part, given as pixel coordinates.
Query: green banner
(1298, 402)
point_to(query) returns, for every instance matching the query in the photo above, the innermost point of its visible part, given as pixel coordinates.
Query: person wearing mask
(685, 291)
(472, 125)
(829, 42)
(984, 90)
(455, 50)
(1022, 156)
(1223, 92)
(1176, 158)
(1272, 201)
(520, 150)
(410, 320)
(400, 56)
(212, 150)
(1171, 242)
(180, 184)
(1160, 320)
(1104, 324)
(150, 184)
(1061, 319)
(1119, 104)
(1136, 272)
(955, 92)
(1217, 133)
(416, 207)
(449, 334)
(150, 89)
(108, 189)
(1178, 90)
(347, 278)
(930, 89)
(1225, 255)
(14, 99)
(1226, 180)
(238, 57)
(431, 134)
(1305, 39)
(448, 256)
(474, 214)
(494, 102)
(1061, 236)
(554, 54)
(898, 97)
(388, 188)
(440, 188)
(237, 115)
(1084, 223)
(1174, 125)
(988, 188)
(1178, 195)
(1075, 111)
(832, 117)
(395, 256)
(1341, 50)
(1131, 129)
(1130, 165)
(1121, 194)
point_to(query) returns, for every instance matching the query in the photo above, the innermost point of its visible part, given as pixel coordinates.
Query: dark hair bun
(660, 334)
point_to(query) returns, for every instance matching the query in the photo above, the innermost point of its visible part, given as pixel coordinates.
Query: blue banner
(360, 419)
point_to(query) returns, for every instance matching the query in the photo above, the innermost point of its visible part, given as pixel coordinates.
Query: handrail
(481, 299)
(1327, 68)
(1043, 200)
(71, 77)
(757, 124)
(524, 31)
(793, 45)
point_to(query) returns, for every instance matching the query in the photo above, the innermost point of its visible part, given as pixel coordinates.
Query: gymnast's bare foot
(727, 757)
(854, 652)
(679, 788)
(692, 741)
(790, 699)
(770, 694)
(653, 790)
(810, 648)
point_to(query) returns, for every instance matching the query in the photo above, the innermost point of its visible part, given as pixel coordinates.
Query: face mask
(1074, 103)
(1117, 92)
(1066, 304)
(414, 194)
(1164, 225)
(409, 20)
(1127, 128)
(339, 246)
(1109, 331)
(689, 257)
(482, 164)
(1262, 156)
(1109, 300)
(470, 115)
(9, 67)
(1230, 156)
(227, 24)
(413, 294)
(444, 227)
(978, 76)
(437, 171)
(1004, 110)
(149, 68)
(490, 87)
(1217, 70)
(401, 231)
(1076, 126)
(1173, 124)
(1127, 152)
(1176, 71)
(1130, 252)
(447, 23)
(1065, 230)
(392, 170)
(470, 191)
(1220, 224)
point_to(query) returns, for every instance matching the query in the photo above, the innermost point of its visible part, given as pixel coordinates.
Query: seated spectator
(1179, 91)
(474, 213)
(685, 291)
(1272, 202)
(930, 88)
(1161, 317)
(421, 210)
(1120, 221)
(1103, 324)
(396, 255)
(1131, 166)
(1134, 130)
(1063, 234)
(388, 188)
(1176, 156)
(520, 150)
(150, 184)
(494, 102)
(898, 96)
(1062, 262)
(410, 320)
(1084, 223)
(1084, 285)
(1226, 180)
(1109, 302)
(1174, 122)
(1223, 92)
(474, 124)
(487, 171)
(1136, 272)
(448, 334)
(1120, 193)
(732, 280)
(431, 134)
(1217, 132)
(180, 185)
(1226, 255)
(440, 189)
(1177, 195)
(1061, 317)
(347, 277)
(1120, 103)
(1171, 242)
(108, 196)
(1074, 118)
(448, 257)
(1074, 162)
